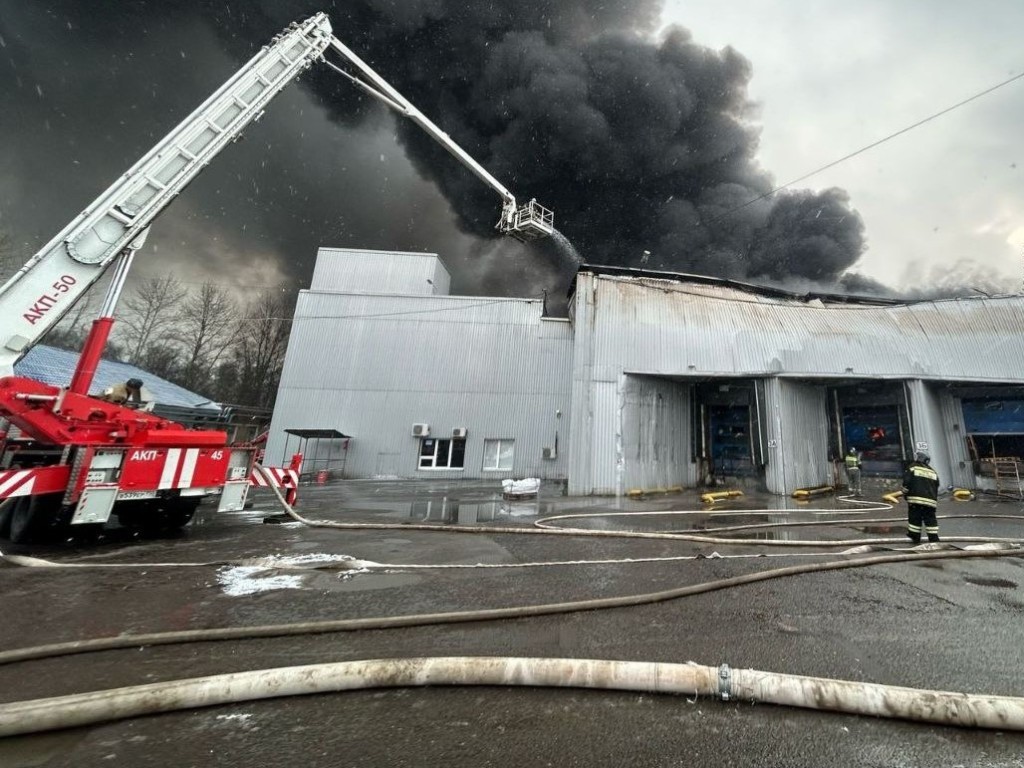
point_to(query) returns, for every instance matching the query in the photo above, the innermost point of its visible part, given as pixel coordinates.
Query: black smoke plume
(645, 150)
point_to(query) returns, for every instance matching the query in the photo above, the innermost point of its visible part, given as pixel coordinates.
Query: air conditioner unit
(420, 430)
(550, 453)
(460, 432)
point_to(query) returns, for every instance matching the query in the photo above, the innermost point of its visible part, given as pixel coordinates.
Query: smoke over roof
(644, 149)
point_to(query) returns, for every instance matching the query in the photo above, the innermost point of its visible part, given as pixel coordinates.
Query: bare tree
(150, 315)
(206, 322)
(258, 349)
(163, 359)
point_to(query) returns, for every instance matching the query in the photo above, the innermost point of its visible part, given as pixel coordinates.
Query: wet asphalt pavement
(950, 625)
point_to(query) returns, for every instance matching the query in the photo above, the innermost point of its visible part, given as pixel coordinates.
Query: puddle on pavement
(982, 582)
(717, 522)
(456, 512)
(891, 529)
(368, 582)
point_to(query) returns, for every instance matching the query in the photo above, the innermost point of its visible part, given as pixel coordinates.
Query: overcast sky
(832, 76)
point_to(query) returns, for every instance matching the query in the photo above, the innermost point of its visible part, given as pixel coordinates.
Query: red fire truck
(71, 459)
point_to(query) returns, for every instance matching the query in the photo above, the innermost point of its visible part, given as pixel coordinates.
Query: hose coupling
(724, 682)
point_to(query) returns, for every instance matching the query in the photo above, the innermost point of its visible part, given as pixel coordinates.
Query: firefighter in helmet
(852, 461)
(921, 490)
(123, 392)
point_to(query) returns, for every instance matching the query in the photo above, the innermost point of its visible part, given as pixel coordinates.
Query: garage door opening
(873, 418)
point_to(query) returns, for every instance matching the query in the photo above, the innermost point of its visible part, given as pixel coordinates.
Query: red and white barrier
(16, 482)
(280, 477)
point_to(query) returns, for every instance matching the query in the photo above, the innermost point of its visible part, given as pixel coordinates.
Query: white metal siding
(605, 439)
(691, 331)
(656, 434)
(352, 270)
(797, 426)
(686, 329)
(961, 469)
(928, 425)
(581, 474)
(372, 366)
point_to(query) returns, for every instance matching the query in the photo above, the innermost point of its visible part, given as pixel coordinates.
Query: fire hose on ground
(723, 682)
(462, 617)
(749, 685)
(543, 527)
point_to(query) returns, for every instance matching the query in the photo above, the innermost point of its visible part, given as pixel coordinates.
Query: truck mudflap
(232, 497)
(95, 504)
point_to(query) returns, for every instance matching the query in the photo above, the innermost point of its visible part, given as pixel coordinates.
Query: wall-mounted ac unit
(460, 432)
(420, 430)
(550, 453)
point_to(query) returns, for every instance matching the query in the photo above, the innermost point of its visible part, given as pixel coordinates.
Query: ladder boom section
(410, 111)
(43, 290)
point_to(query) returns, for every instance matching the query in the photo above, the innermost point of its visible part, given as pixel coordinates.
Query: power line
(862, 150)
(431, 310)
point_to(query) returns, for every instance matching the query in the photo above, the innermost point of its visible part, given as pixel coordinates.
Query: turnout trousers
(920, 516)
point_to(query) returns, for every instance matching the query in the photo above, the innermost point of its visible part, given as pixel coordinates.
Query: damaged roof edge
(760, 290)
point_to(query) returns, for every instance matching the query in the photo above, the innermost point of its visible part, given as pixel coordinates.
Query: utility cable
(864, 149)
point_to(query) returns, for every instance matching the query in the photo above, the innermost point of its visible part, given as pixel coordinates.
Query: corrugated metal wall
(961, 469)
(672, 328)
(642, 326)
(581, 466)
(352, 270)
(372, 366)
(605, 438)
(656, 430)
(932, 424)
(797, 427)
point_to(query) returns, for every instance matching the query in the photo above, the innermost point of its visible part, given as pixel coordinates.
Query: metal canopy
(317, 434)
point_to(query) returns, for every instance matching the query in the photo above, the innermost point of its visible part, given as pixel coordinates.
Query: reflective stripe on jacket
(922, 484)
(852, 461)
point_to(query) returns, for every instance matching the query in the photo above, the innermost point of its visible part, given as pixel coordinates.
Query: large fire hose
(746, 685)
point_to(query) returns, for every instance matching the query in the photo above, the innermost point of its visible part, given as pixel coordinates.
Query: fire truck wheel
(6, 511)
(154, 518)
(181, 513)
(32, 517)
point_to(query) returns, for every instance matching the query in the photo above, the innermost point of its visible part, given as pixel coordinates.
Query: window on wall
(498, 455)
(442, 454)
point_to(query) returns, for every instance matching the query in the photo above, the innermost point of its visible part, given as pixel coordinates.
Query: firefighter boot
(933, 537)
(914, 536)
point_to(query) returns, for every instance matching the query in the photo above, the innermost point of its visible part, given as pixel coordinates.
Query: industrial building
(656, 380)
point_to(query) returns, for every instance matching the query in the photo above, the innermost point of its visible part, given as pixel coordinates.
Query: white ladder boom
(43, 290)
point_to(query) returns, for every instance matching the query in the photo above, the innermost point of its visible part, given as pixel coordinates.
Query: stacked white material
(529, 486)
